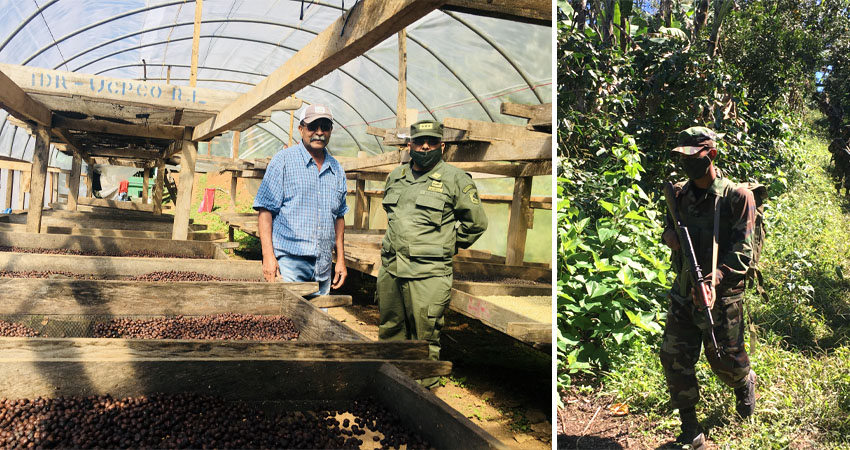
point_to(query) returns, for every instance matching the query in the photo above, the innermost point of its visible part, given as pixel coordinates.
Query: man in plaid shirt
(301, 203)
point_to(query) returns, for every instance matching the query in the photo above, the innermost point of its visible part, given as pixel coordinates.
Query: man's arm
(271, 271)
(340, 271)
(469, 213)
(733, 265)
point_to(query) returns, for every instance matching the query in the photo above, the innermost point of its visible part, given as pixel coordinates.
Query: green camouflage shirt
(428, 219)
(735, 241)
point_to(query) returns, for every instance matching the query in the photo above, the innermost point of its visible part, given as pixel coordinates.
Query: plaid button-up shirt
(304, 202)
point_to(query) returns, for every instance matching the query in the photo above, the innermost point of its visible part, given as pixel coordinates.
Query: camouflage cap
(694, 139)
(426, 128)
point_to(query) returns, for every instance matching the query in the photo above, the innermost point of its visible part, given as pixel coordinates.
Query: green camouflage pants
(413, 309)
(680, 348)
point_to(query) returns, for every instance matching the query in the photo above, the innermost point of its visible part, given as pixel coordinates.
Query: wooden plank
(457, 129)
(331, 301)
(193, 249)
(40, 156)
(496, 271)
(103, 126)
(131, 206)
(113, 297)
(533, 149)
(135, 153)
(116, 223)
(14, 100)
(519, 221)
(110, 267)
(95, 349)
(484, 289)
(391, 157)
(74, 178)
(530, 332)
(78, 92)
(488, 313)
(537, 113)
(108, 232)
(184, 196)
(538, 12)
(365, 26)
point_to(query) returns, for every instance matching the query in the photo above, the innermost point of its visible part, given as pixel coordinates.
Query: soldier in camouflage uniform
(687, 327)
(432, 210)
(840, 149)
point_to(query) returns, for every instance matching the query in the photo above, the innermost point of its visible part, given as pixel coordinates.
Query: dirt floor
(500, 384)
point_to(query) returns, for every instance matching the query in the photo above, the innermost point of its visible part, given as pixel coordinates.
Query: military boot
(745, 396)
(692, 433)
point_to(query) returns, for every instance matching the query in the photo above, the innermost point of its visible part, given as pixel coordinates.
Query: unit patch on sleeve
(467, 188)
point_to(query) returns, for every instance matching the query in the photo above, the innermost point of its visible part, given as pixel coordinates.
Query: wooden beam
(184, 194)
(537, 12)
(102, 126)
(40, 155)
(537, 115)
(366, 25)
(332, 301)
(529, 150)
(15, 101)
(391, 157)
(132, 206)
(79, 88)
(196, 40)
(518, 222)
(74, 179)
(135, 153)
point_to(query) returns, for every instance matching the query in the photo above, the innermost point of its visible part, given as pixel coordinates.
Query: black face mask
(426, 159)
(695, 168)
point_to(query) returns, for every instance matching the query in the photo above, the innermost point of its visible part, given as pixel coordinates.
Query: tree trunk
(700, 19)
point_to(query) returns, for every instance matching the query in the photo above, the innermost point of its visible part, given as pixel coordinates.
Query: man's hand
(707, 292)
(271, 271)
(340, 272)
(671, 239)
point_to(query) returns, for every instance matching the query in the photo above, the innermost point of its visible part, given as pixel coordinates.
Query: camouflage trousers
(686, 332)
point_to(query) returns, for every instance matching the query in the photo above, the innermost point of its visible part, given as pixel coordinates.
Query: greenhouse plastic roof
(458, 64)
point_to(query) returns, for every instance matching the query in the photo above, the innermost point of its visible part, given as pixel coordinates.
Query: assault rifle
(686, 246)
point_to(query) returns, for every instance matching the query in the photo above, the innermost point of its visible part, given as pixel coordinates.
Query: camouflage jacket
(735, 237)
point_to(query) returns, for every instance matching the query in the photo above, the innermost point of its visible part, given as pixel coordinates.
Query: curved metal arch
(237, 20)
(97, 24)
(364, 55)
(26, 21)
(459, 79)
(499, 49)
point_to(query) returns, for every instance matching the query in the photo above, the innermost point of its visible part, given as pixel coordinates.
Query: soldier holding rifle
(718, 218)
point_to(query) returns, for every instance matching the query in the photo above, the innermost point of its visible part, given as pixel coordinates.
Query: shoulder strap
(714, 246)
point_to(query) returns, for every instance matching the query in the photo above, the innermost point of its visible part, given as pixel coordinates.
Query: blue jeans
(296, 268)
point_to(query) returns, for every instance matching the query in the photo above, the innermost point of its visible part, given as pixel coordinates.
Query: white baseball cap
(314, 112)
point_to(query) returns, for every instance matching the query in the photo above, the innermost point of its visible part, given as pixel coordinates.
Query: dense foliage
(631, 75)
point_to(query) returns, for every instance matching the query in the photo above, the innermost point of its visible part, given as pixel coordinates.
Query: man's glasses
(324, 125)
(431, 140)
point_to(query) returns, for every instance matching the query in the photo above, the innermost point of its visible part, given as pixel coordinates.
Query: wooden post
(401, 109)
(234, 178)
(158, 187)
(89, 178)
(184, 192)
(39, 174)
(519, 221)
(146, 175)
(23, 188)
(291, 124)
(196, 39)
(361, 205)
(74, 181)
(10, 185)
